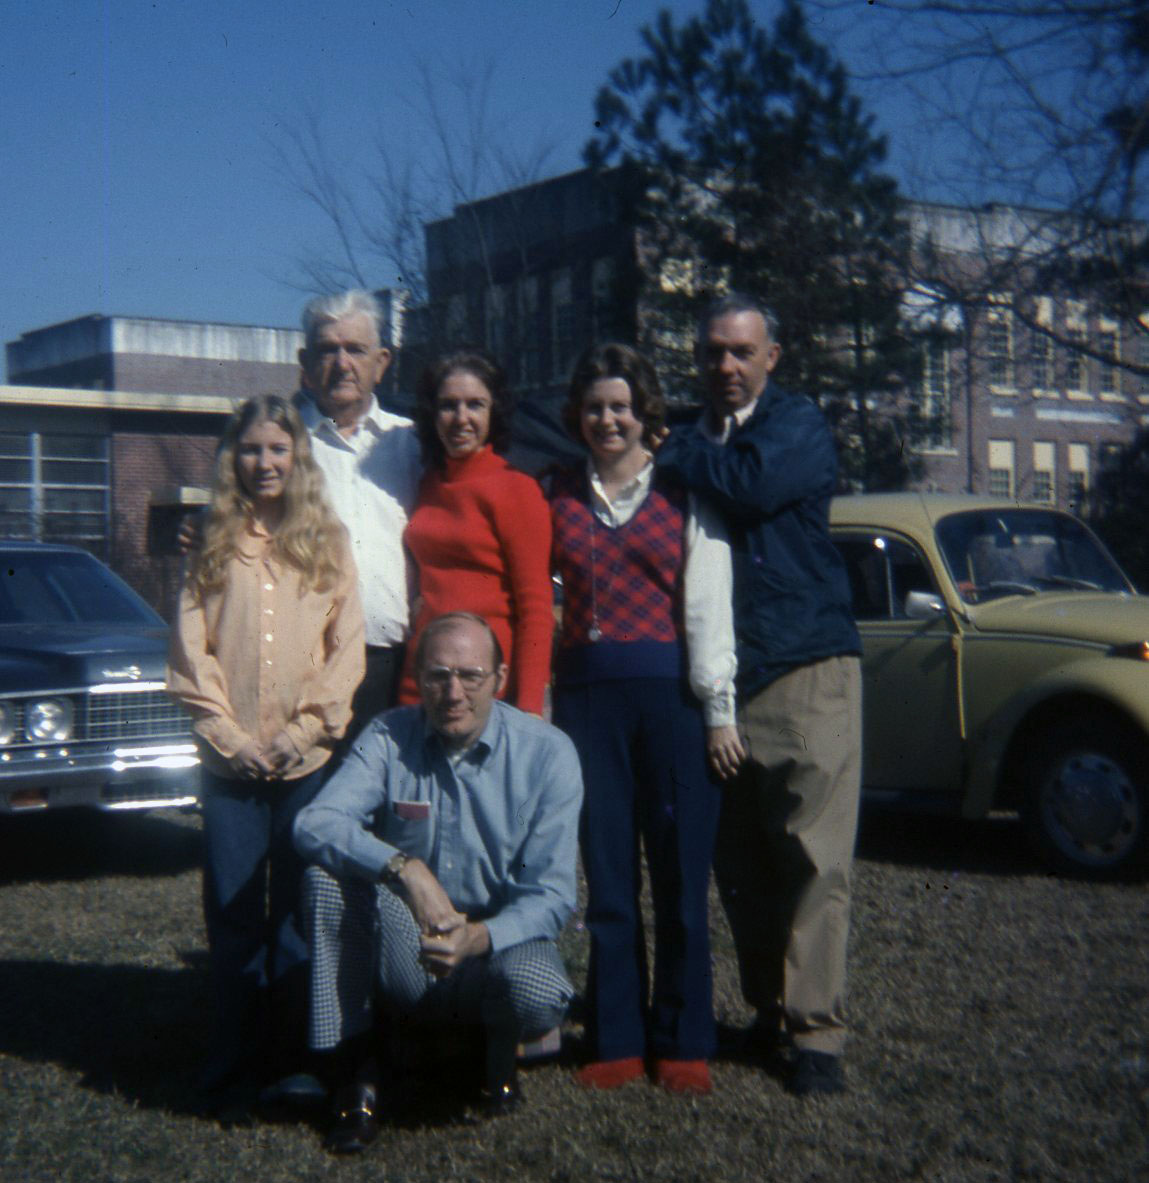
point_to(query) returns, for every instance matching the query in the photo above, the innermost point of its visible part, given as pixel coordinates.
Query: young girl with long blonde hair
(266, 654)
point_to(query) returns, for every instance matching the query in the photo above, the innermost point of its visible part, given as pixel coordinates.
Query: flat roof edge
(117, 400)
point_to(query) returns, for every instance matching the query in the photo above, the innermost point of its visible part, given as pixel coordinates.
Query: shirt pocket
(410, 831)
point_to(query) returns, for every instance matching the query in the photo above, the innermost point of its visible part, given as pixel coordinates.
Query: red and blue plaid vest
(636, 569)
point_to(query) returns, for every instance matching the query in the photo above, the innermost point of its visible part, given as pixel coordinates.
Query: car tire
(1086, 809)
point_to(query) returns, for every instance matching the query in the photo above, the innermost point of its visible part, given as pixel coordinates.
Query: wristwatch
(394, 867)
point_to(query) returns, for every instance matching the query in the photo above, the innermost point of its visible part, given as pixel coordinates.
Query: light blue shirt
(498, 828)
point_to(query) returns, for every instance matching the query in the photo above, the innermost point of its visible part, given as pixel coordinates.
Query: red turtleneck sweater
(480, 536)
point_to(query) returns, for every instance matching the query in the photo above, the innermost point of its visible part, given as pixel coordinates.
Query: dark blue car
(84, 715)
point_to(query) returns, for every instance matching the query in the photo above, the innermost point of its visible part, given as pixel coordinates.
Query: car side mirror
(923, 605)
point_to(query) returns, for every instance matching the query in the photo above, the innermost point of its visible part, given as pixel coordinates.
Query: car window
(993, 553)
(882, 571)
(62, 588)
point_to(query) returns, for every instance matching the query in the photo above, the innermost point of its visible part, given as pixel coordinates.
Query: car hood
(1100, 617)
(40, 657)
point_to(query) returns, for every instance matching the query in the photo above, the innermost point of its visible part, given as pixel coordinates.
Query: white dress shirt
(372, 477)
(708, 590)
(729, 423)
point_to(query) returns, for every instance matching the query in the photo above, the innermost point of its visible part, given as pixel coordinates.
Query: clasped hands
(271, 761)
(447, 938)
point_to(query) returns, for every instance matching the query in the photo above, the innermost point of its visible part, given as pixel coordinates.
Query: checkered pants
(363, 934)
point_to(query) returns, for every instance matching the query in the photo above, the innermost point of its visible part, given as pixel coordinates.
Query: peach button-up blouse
(260, 656)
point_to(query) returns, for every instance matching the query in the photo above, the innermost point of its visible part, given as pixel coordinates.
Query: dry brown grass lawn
(1000, 1033)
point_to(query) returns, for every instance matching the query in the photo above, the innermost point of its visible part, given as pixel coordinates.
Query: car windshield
(60, 588)
(1008, 552)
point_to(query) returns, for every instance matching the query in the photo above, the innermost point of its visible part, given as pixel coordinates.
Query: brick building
(1021, 385)
(108, 429)
(1010, 405)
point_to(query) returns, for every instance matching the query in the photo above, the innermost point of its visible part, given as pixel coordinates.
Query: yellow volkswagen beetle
(1006, 666)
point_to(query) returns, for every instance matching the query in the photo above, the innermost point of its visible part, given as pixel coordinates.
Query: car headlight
(48, 720)
(7, 721)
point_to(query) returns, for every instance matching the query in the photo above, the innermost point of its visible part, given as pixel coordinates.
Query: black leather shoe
(300, 1090)
(771, 1047)
(356, 1124)
(816, 1073)
(501, 1099)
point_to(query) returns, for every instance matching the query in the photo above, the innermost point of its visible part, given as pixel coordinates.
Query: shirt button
(269, 587)
(267, 662)
(268, 636)
(269, 611)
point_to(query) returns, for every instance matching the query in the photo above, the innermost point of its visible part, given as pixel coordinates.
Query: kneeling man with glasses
(444, 850)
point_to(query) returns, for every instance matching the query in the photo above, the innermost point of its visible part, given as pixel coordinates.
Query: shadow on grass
(82, 843)
(142, 1035)
(992, 846)
(137, 1032)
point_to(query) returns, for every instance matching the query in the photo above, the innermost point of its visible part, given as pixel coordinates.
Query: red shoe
(609, 1074)
(683, 1076)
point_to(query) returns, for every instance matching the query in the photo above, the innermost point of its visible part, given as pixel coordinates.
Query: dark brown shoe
(356, 1124)
(499, 1100)
(816, 1074)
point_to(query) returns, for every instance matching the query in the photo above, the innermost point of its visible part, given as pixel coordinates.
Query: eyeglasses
(438, 677)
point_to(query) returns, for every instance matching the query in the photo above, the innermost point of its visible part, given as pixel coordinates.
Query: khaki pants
(785, 844)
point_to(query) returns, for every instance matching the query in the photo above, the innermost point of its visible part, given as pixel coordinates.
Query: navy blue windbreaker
(772, 483)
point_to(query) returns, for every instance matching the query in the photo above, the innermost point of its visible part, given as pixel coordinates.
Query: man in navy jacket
(766, 459)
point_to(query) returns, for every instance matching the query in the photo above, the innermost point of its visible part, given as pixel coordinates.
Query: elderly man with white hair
(370, 460)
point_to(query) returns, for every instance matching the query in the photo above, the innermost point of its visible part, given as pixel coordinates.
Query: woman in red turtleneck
(480, 534)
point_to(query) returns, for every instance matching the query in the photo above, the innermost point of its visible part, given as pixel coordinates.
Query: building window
(562, 326)
(1108, 380)
(54, 488)
(603, 316)
(1078, 490)
(1075, 362)
(457, 318)
(1000, 482)
(999, 344)
(1044, 472)
(934, 399)
(1001, 468)
(1041, 358)
(530, 368)
(498, 323)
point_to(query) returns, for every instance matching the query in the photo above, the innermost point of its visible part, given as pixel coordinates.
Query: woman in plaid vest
(644, 681)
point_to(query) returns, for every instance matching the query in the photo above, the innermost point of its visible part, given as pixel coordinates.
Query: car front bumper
(132, 775)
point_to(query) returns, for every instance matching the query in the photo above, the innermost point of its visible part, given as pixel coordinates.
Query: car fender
(1121, 684)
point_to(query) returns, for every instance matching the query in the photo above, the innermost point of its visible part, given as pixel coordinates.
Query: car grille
(144, 715)
(111, 718)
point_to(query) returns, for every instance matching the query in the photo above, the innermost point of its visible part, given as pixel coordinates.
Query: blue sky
(135, 134)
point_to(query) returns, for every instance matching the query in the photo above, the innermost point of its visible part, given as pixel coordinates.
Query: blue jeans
(251, 895)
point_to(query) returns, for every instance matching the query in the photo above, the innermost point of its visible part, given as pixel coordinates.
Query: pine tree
(756, 169)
